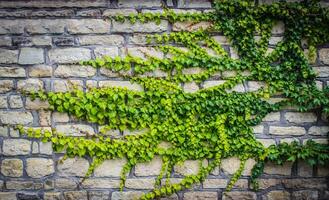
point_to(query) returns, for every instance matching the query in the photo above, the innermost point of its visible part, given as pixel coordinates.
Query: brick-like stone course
(41, 43)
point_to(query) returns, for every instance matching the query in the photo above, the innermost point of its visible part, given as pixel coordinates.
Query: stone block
(13, 147)
(67, 85)
(8, 56)
(297, 117)
(39, 167)
(110, 168)
(30, 56)
(73, 167)
(101, 40)
(12, 167)
(64, 71)
(200, 195)
(290, 130)
(12, 72)
(140, 183)
(126, 195)
(276, 194)
(190, 87)
(285, 169)
(75, 129)
(149, 27)
(99, 183)
(40, 71)
(30, 85)
(69, 55)
(237, 195)
(122, 84)
(151, 168)
(6, 86)
(101, 52)
(19, 117)
(15, 101)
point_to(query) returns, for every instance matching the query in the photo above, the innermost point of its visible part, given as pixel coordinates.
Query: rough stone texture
(231, 165)
(324, 56)
(40, 71)
(69, 55)
(151, 168)
(15, 101)
(7, 195)
(36, 104)
(140, 183)
(101, 52)
(190, 87)
(12, 167)
(139, 27)
(305, 195)
(296, 117)
(30, 56)
(189, 167)
(200, 195)
(75, 129)
(110, 168)
(39, 167)
(73, 195)
(101, 40)
(6, 86)
(130, 195)
(291, 130)
(122, 84)
(8, 56)
(239, 195)
(74, 71)
(73, 167)
(30, 85)
(12, 72)
(19, 117)
(284, 169)
(282, 195)
(67, 85)
(101, 183)
(14, 147)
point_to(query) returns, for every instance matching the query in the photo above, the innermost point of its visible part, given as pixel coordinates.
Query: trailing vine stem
(213, 123)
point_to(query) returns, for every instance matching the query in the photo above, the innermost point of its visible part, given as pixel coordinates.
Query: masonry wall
(38, 42)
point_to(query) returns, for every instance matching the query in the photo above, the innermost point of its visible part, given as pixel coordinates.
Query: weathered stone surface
(296, 117)
(266, 183)
(44, 118)
(69, 55)
(75, 26)
(255, 85)
(274, 116)
(52, 196)
(66, 183)
(231, 165)
(19, 117)
(15, 101)
(41, 41)
(221, 39)
(74, 195)
(192, 70)
(30, 56)
(5, 41)
(324, 56)
(39, 167)
(12, 167)
(8, 56)
(53, 4)
(239, 196)
(284, 169)
(46, 148)
(200, 195)
(60, 117)
(305, 195)
(8, 196)
(151, 168)
(138, 39)
(190, 87)
(259, 129)
(13, 147)
(74, 71)
(275, 40)
(144, 52)
(110, 168)
(67, 85)
(309, 183)
(99, 183)
(108, 51)
(30, 85)
(189, 167)
(322, 72)
(318, 130)
(141, 183)
(101, 40)
(129, 195)
(89, 13)
(194, 4)
(124, 84)
(122, 11)
(274, 195)
(6, 86)
(290, 130)
(75, 129)
(215, 183)
(3, 132)
(63, 41)
(323, 170)
(190, 26)
(98, 195)
(139, 27)
(23, 185)
(12, 72)
(145, 3)
(36, 104)
(40, 71)
(73, 167)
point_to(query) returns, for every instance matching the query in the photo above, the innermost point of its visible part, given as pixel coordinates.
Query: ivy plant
(212, 123)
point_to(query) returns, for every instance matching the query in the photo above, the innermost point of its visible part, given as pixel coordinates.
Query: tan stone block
(39, 167)
(12, 167)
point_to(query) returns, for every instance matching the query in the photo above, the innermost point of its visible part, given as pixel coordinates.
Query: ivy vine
(212, 123)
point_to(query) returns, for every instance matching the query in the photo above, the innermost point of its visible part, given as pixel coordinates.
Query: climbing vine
(212, 123)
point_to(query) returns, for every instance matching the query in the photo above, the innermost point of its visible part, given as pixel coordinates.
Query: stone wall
(39, 40)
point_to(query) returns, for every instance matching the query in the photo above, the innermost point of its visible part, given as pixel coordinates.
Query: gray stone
(8, 56)
(190, 87)
(129, 195)
(139, 27)
(5, 41)
(324, 56)
(73, 167)
(46, 148)
(30, 56)
(151, 168)
(110, 168)
(77, 26)
(271, 117)
(41, 41)
(290, 130)
(305, 195)
(200, 195)
(8, 196)
(98, 195)
(74, 195)
(67, 85)
(189, 167)
(194, 4)
(12, 147)
(215, 183)
(74, 71)
(36, 104)
(285, 169)
(66, 183)
(15, 101)
(52, 196)
(12, 167)
(19, 117)
(122, 84)
(30, 85)
(69, 55)
(101, 40)
(141, 183)
(40, 71)
(75, 129)
(144, 3)
(12, 72)
(108, 51)
(6, 85)
(3, 102)
(39, 167)
(322, 72)
(239, 196)
(116, 12)
(296, 117)
(274, 195)
(99, 183)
